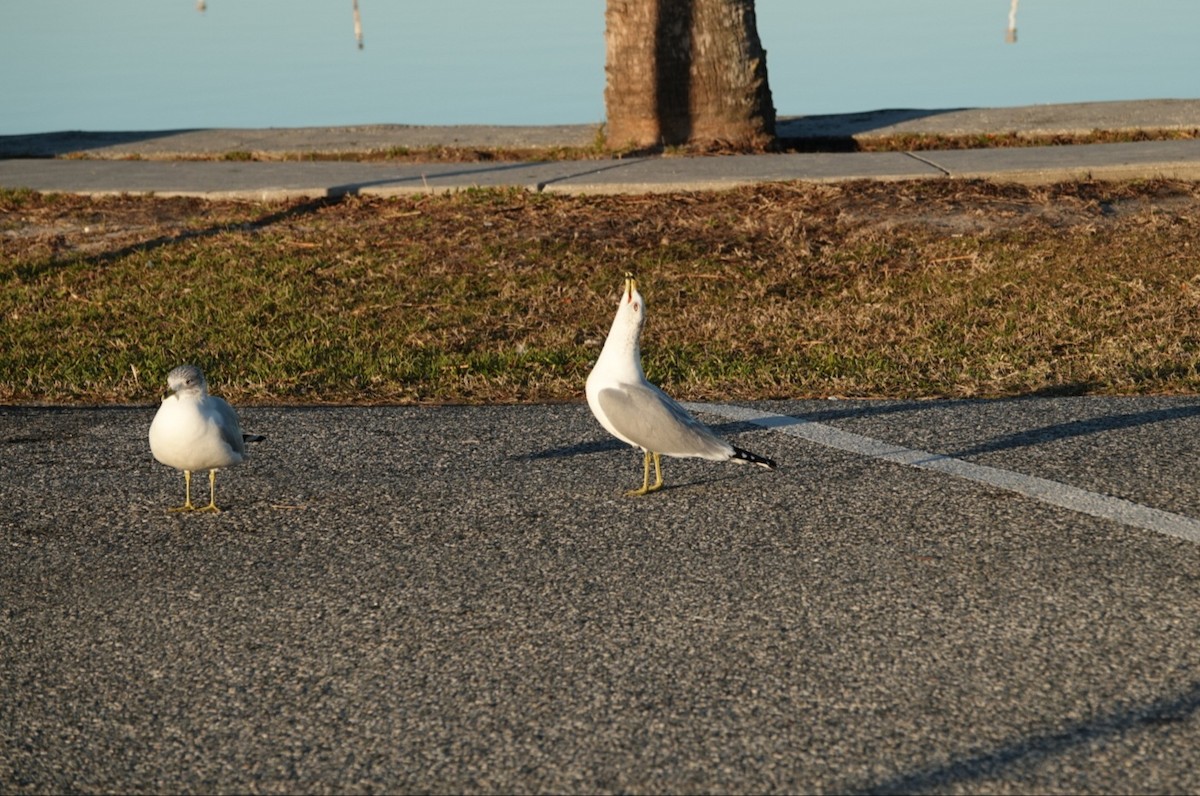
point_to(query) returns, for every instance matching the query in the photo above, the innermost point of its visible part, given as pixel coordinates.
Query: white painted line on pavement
(1055, 493)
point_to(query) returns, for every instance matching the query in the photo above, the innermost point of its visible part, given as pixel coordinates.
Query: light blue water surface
(162, 64)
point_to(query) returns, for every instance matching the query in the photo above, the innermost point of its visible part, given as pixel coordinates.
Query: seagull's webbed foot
(212, 494)
(187, 492)
(658, 480)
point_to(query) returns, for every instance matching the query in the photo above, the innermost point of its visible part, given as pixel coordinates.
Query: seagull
(636, 412)
(197, 431)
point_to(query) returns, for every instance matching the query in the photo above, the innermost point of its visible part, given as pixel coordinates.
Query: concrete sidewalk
(157, 161)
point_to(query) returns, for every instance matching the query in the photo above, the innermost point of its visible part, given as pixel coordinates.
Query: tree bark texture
(685, 71)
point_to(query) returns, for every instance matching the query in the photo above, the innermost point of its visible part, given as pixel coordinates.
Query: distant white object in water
(197, 431)
(1010, 35)
(635, 411)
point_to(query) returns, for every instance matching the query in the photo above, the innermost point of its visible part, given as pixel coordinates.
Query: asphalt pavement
(461, 599)
(936, 596)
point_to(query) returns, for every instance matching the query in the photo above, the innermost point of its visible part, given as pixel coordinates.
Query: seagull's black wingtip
(743, 455)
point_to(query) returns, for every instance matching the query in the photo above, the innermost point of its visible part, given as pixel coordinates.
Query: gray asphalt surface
(460, 599)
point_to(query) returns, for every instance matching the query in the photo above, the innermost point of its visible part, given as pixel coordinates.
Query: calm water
(160, 64)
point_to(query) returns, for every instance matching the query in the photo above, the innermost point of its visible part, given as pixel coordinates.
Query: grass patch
(921, 289)
(598, 149)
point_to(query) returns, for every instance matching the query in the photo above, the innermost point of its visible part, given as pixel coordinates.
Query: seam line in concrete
(929, 163)
(621, 164)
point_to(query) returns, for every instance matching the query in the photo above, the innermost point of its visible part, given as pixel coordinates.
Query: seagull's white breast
(186, 434)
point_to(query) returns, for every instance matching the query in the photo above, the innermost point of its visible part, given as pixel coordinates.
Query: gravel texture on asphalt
(460, 599)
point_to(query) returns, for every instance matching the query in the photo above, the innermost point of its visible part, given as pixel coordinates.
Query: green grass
(902, 290)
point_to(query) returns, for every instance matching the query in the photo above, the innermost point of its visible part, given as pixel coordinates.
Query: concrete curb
(157, 162)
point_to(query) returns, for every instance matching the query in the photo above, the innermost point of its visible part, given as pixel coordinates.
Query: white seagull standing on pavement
(635, 411)
(197, 431)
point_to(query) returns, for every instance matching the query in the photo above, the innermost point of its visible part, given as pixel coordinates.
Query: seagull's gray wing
(654, 421)
(227, 421)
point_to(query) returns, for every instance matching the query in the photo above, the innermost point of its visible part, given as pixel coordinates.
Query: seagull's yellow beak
(630, 286)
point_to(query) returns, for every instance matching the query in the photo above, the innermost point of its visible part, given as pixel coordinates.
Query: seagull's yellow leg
(645, 479)
(187, 491)
(657, 474)
(212, 493)
(658, 482)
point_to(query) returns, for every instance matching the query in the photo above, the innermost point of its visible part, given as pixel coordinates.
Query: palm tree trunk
(685, 71)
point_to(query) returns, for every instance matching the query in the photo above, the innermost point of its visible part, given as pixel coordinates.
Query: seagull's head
(631, 299)
(187, 379)
(621, 355)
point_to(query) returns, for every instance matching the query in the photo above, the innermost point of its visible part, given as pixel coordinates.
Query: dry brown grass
(919, 289)
(894, 142)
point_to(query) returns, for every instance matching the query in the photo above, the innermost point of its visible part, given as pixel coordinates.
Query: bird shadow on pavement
(579, 449)
(603, 446)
